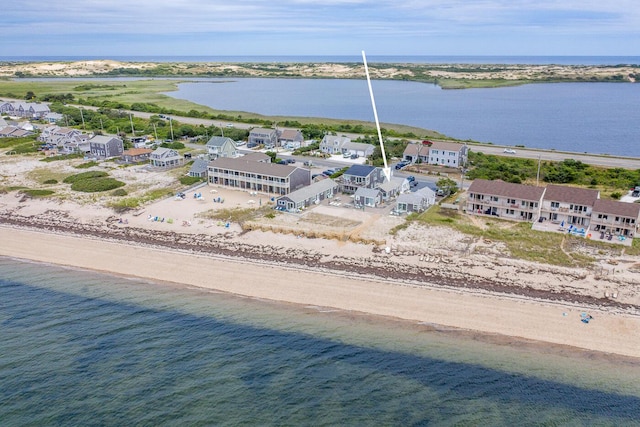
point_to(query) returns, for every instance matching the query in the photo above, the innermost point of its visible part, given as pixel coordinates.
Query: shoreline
(469, 309)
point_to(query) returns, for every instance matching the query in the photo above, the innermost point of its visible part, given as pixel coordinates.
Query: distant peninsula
(448, 76)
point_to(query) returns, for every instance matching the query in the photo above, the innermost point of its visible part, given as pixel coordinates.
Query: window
(555, 204)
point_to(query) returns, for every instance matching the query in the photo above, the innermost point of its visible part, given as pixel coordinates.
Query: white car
(509, 151)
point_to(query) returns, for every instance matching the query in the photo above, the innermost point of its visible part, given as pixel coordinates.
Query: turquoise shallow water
(79, 348)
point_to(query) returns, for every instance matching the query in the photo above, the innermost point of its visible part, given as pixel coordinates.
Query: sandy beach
(439, 286)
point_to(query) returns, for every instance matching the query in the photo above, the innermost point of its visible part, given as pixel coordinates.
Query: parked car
(401, 164)
(328, 172)
(308, 163)
(354, 156)
(290, 161)
(411, 178)
(509, 151)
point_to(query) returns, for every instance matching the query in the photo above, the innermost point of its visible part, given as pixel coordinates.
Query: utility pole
(171, 127)
(82, 117)
(538, 174)
(133, 132)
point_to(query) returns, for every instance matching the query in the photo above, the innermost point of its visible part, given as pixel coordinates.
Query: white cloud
(344, 21)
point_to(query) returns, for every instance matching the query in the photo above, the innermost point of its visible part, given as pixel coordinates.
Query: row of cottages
(33, 110)
(439, 153)
(333, 144)
(307, 196)
(556, 208)
(248, 174)
(66, 140)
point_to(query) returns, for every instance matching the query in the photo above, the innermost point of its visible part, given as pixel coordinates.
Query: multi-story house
(257, 176)
(219, 146)
(165, 158)
(361, 176)
(448, 154)
(262, 136)
(332, 144)
(507, 200)
(439, 153)
(290, 139)
(105, 147)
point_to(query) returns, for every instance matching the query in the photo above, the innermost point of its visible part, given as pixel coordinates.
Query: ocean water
(356, 57)
(81, 348)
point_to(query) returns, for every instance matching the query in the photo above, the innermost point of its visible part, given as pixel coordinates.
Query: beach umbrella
(562, 224)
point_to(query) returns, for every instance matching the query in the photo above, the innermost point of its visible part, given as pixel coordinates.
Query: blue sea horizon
(417, 59)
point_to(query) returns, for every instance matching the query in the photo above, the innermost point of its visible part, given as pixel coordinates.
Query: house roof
(291, 134)
(506, 189)
(219, 141)
(256, 157)
(449, 146)
(137, 151)
(360, 170)
(311, 190)
(165, 152)
(103, 139)
(332, 139)
(416, 198)
(565, 194)
(412, 149)
(357, 146)
(613, 207)
(242, 165)
(367, 192)
(199, 166)
(262, 131)
(395, 183)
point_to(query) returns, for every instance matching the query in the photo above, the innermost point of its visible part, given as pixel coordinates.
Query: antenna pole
(387, 170)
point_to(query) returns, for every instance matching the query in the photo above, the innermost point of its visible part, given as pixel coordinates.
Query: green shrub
(87, 165)
(189, 180)
(37, 192)
(95, 185)
(84, 176)
(51, 181)
(119, 192)
(62, 157)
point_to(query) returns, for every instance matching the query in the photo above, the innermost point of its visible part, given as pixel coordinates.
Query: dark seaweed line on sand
(221, 245)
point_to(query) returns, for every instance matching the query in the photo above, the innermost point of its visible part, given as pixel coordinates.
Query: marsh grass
(135, 202)
(237, 215)
(36, 192)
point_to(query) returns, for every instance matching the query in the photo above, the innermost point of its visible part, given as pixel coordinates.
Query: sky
(109, 28)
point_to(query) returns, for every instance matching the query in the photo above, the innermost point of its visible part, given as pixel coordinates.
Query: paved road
(556, 156)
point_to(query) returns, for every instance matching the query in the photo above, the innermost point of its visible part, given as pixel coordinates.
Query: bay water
(598, 118)
(83, 348)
